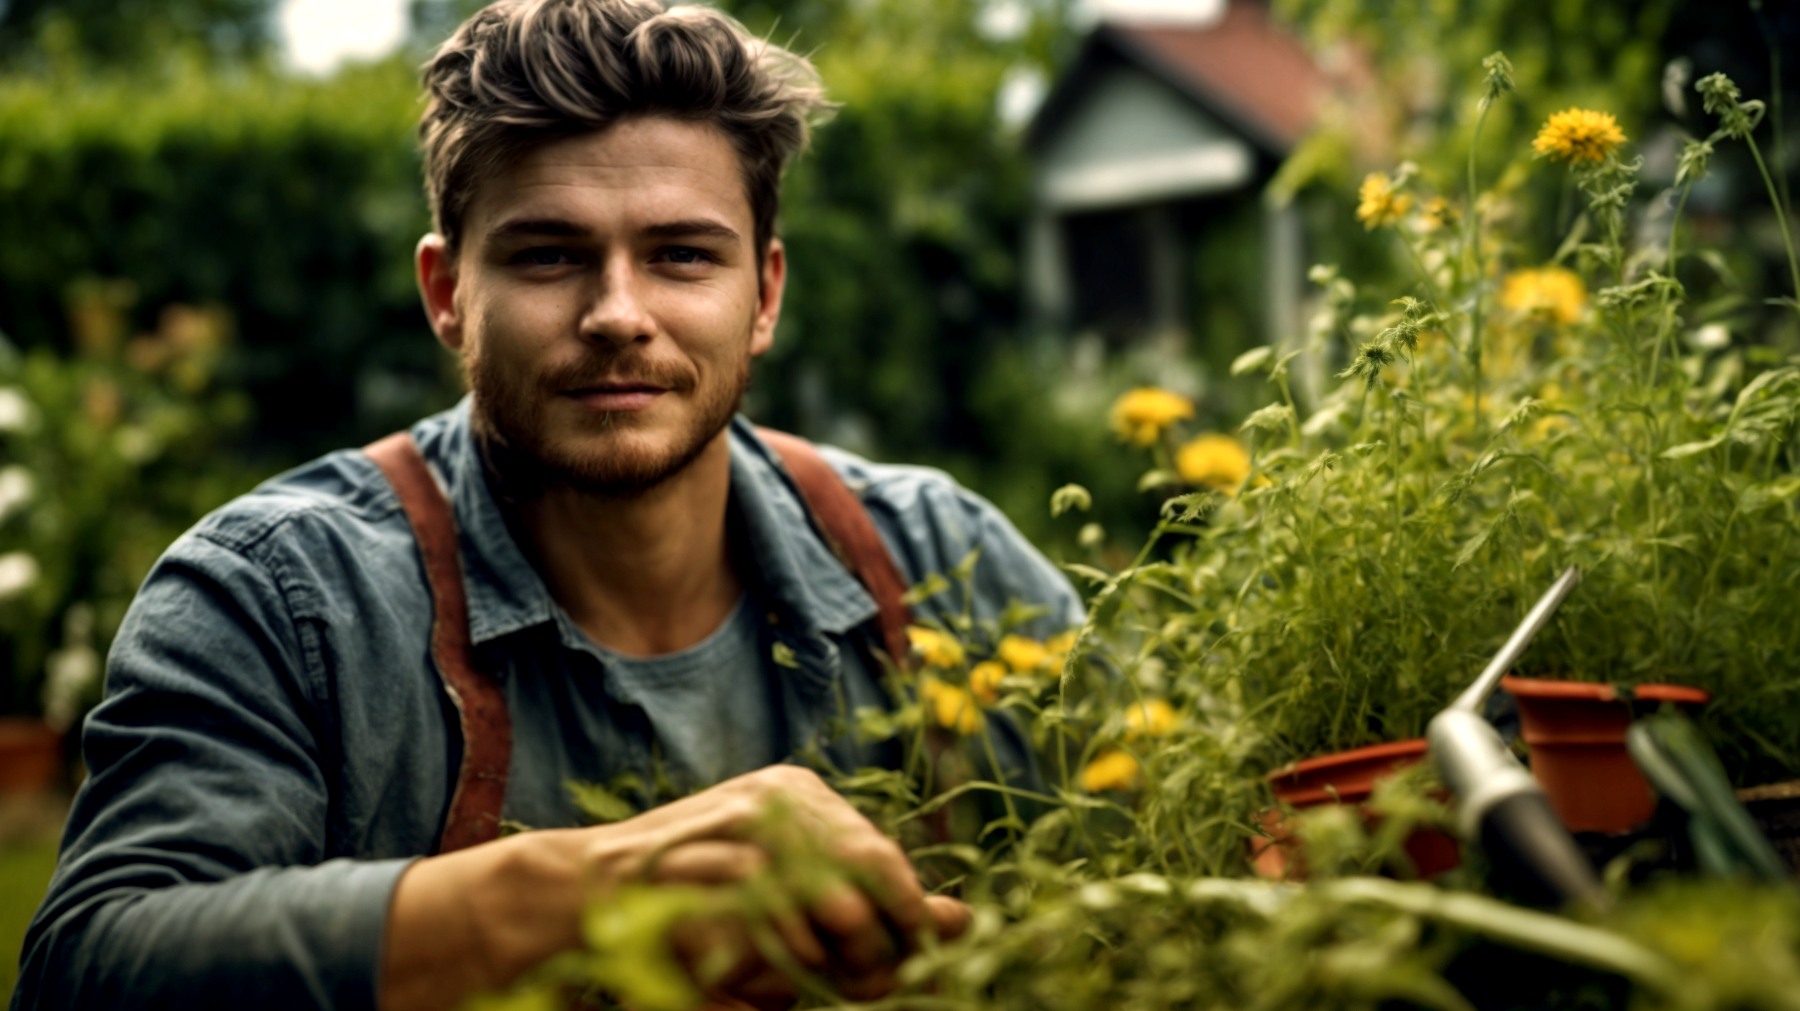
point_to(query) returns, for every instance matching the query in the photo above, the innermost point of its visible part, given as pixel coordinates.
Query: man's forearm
(278, 938)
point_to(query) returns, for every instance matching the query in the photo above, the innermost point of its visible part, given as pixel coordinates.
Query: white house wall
(1133, 140)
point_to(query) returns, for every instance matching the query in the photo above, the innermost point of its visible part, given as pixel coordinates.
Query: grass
(24, 873)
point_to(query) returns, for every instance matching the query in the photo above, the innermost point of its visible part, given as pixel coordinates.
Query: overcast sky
(317, 35)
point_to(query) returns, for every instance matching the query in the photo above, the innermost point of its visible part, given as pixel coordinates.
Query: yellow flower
(1381, 204)
(1111, 770)
(939, 649)
(1213, 460)
(1552, 292)
(953, 708)
(1140, 416)
(1058, 646)
(984, 680)
(1579, 135)
(1154, 717)
(1437, 213)
(1021, 654)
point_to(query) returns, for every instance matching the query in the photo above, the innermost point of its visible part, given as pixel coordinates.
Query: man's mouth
(617, 396)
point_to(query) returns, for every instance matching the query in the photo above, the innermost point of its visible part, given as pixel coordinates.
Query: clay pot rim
(1546, 689)
(27, 731)
(1390, 749)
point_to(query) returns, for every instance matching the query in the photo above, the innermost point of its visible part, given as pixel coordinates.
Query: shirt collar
(794, 567)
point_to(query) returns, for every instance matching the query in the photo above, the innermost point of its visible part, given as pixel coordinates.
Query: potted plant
(1576, 734)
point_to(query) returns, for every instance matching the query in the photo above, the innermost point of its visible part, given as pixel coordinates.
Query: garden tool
(1683, 768)
(1497, 800)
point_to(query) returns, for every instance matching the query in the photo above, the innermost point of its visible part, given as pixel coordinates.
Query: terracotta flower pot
(1347, 777)
(30, 755)
(1576, 733)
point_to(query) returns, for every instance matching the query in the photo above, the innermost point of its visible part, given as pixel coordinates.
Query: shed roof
(1243, 69)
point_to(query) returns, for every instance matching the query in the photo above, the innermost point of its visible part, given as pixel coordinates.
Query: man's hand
(476, 919)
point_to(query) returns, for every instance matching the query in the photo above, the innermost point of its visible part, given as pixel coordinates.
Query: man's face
(607, 301)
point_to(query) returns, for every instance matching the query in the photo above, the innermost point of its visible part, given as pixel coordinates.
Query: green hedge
(295, 204)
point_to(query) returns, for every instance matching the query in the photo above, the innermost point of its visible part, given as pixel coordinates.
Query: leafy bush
(110, 454)
(294, 203)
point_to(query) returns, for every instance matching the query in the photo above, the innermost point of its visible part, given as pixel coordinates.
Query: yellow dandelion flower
(1111, 770)
(1214, 461)
(953, 708)
(1381, 203)
(1056, 649)
(1437, 213)
(1021, 654)
(938, 649)
(1140, 416)
(1544, 428)
(1154, 717)
(984, 680)
(1551, 293)
(1575, 135)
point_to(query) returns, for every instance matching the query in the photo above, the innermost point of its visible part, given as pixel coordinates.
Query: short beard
(509, 433)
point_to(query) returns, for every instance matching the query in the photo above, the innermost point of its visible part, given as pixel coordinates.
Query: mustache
(616, 370)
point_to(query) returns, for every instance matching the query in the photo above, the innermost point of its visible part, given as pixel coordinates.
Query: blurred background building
(1162, 124)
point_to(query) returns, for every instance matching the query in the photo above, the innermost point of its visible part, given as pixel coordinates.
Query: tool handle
(1533, 853)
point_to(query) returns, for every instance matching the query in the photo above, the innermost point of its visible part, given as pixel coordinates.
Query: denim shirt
(275, 747)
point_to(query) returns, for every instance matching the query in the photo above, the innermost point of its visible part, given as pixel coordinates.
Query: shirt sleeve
(193, 871)
(931, 523)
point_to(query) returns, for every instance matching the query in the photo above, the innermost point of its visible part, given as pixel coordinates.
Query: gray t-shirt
(710, 705)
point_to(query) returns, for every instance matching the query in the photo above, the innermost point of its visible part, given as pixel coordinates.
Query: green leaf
(1252, 360)
(1087, 572)
(600, 805)
(1273, 418)
(1687, 449)
(927, 588)
(965, 569)
(1762, 496)
(1157, 479)
(783, 655)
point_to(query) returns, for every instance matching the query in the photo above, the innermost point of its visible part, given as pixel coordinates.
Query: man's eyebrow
(693, 228)
(537, 226)
(687, 228)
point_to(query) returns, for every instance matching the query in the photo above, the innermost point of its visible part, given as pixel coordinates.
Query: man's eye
(684, 254)
(544, 256)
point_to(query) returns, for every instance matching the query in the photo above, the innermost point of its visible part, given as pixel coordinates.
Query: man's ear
(437, 287)
(768, 308)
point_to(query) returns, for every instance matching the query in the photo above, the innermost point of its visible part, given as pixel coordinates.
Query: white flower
(16, 489)
(69, 673)
(15, 410)
(18, 572)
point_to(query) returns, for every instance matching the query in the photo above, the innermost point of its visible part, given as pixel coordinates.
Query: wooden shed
(1158, 128)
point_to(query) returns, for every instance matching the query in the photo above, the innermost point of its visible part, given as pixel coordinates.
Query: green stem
(1431, 287)
(1781, 217)
(1666, 327)
(1472, 252)
(993, 757)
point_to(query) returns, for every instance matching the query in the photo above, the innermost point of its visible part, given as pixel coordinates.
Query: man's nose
(618, 313)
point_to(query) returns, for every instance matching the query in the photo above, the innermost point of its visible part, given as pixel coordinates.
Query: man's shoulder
(344, 486)
(931, 523)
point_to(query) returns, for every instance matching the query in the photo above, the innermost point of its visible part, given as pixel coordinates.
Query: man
(278, 768)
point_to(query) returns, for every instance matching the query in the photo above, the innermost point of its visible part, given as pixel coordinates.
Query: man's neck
(642, 575)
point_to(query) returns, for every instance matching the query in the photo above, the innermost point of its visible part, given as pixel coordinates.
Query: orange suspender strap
(850, 533)
(475, 806)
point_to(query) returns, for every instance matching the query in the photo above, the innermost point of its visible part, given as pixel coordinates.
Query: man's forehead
(646, 172)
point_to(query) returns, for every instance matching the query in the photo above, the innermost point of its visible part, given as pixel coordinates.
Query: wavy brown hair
(521, 73)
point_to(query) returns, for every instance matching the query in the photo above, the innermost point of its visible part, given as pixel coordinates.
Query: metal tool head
(1473, 696)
